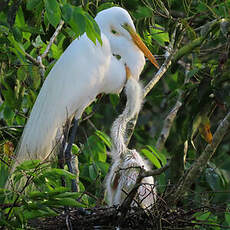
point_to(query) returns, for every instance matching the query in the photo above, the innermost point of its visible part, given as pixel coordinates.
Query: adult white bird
(83, 71)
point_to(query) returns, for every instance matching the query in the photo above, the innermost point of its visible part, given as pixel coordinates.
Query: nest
(160, 216)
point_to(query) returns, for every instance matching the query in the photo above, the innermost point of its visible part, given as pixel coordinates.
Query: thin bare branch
(158, 75)
(32, 59)
(58, 29)
(155, 172)
(168, 122)
(38, 61)
(197, 168)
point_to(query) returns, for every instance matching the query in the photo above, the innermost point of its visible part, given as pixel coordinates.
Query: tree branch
(197, 168)
(168, 122)
(38, 61)
(158, 75)
(58, 29)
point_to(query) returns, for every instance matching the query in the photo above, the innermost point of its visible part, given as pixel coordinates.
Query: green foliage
(38, 193)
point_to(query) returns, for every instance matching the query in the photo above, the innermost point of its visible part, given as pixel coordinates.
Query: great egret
(83, 71)
(127, 163)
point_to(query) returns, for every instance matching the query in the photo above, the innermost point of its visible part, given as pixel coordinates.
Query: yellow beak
(140, 44)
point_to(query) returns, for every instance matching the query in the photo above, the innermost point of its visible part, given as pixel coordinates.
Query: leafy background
(199, 75)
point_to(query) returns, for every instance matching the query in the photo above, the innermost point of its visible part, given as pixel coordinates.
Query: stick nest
(160, 216)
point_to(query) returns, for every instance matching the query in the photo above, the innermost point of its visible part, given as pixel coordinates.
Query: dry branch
(158, 75)
(197, 168)
(38, 61)
(168, 122)
(58, 29)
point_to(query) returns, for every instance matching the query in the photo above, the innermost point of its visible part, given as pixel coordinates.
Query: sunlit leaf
(106, 139)
(151, 157)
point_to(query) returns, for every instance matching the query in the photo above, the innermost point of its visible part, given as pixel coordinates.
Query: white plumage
(83, 71)
(124, 172)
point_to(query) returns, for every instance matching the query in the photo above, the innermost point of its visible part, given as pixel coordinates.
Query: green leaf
(36, 77)
(78, 22)
(227, 218)
(59, 172)
(92, 30)
(32, 4)
(29, 164)
(18, 46)
(75, 149)
(63, 202)
(94, 150)
(114, 99)
(73, 195)
(21, 73)
(159, 35)
(158, 154)
(104, 167)
(20, 20)
(92, 172)
(104, 6)
(213, 179)
(8, 114)
(53, 12)
(104, 137)
(143, 12)
(67, 12)
(56, 52)
(202, 216)
(45, 212)
(151, 157)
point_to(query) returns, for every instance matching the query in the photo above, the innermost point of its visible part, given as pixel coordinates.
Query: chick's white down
(83, 71)
(124, 172)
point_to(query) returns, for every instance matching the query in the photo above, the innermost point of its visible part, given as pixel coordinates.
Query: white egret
(83, 71)
(126, 163)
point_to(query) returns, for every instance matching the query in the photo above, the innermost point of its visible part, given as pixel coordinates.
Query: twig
(4, 206)
(32, 59)
(52, 39)
(154, 172)
(11, 127)
(130, 197)
(167, 125)
(38, 61)
(197, 168)
(3, 161)
(158, 75)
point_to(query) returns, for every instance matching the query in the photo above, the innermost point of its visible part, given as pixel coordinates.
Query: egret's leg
(68, 155)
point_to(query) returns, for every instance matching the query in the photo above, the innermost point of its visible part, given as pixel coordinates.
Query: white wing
(82, 72)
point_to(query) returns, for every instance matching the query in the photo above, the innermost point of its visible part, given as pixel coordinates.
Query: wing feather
(72, 84)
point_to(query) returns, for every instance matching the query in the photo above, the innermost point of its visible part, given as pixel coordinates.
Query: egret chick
(126, 163)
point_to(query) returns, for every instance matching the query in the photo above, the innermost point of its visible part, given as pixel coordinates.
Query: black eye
(114, 31)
